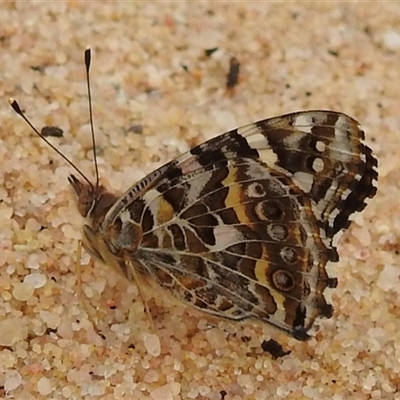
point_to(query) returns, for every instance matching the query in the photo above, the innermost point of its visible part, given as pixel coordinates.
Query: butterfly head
(93, 201)
(93, 204)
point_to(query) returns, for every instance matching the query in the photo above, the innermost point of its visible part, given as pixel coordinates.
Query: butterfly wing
(326, 157)
(242, 225)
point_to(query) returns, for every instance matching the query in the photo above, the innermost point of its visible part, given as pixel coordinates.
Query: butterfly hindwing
(249, 240)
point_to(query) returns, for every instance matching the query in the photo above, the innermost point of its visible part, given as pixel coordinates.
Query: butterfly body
(243, 225)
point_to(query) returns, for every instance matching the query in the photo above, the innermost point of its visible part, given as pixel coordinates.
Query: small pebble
(152, 344)
(44, 386)
(162, 393)
(151, 376)
(388, 278)
(35, 280)
(23, 291)
(12, 330)
(391, 40)
(33, 262)
(12, 380)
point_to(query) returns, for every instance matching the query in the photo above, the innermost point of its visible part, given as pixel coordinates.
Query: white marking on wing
(303, 180)
(225, 236)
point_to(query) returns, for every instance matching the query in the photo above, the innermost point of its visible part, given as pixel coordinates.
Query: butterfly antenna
(14, 104)
(88, 57)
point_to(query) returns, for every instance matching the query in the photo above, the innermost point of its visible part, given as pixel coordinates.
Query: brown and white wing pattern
(243, 225)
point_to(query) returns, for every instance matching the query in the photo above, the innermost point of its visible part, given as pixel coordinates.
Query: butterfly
(243, 225)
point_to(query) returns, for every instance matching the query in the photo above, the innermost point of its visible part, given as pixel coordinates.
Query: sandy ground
(155, 95)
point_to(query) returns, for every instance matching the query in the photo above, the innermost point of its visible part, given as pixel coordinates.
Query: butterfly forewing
(324, 153)
(242, 225)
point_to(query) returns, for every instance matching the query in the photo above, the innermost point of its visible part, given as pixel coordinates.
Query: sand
(156, 94)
